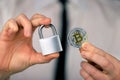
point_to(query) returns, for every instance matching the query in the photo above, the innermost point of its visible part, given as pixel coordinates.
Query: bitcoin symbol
(77, 38)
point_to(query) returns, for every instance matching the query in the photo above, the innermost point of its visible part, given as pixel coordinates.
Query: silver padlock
(50, 44)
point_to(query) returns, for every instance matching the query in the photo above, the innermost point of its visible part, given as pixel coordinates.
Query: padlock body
(50, 45)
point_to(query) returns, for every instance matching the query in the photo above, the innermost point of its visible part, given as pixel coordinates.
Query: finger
(91, 48)
(93, 72)
(94, 54)
(95, 65)
(38, 58)
(23, 21)
(9, 30)
(39, 19)
(37, 15)
(99, 60)
(85, 75)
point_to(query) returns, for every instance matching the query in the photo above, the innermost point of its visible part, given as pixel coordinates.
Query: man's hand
(100, 65)
(16, 51)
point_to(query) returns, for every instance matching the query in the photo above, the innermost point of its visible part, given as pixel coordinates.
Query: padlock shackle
(42, 26)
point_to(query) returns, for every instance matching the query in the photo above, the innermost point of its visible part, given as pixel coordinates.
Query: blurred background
(100, 19)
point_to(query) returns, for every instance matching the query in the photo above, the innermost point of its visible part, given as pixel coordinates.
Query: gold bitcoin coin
(76, 37)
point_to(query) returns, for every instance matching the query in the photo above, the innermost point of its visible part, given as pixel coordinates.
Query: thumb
(38, 58)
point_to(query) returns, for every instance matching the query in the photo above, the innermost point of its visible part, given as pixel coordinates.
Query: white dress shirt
(100, 19)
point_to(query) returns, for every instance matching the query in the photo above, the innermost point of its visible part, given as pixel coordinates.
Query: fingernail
(85, 45)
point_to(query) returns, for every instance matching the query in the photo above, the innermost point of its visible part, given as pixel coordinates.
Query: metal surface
(42, 26)
(50, 44)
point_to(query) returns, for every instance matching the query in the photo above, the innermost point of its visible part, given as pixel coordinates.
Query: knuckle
(11, 20)
(92, 53)
(93, 72)
(36, 14)
(106, 64)
(95, 50)
(91, 56)
(12, 24)
(21, 16)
